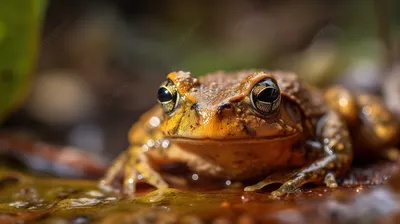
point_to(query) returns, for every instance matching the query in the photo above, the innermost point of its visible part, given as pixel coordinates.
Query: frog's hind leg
(374, 128)
(333, 138)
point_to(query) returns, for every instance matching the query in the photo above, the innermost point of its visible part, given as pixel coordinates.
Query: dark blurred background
(101, 62)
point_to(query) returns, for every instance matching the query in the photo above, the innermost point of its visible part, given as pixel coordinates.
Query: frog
(267, 126)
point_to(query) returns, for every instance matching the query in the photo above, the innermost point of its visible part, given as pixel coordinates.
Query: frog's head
(244, 105)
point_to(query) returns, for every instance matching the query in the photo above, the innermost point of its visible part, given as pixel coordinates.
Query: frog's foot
(106, 183)
(319, 171)
(133, 163)
(300, 179)
(290, 183)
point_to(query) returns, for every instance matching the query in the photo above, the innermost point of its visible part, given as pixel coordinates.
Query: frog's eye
(168, 96)
(265, 96)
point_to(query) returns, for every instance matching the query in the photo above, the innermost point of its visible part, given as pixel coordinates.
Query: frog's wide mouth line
(230, 140)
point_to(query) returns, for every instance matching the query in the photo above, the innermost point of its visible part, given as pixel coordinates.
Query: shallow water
(362, 196)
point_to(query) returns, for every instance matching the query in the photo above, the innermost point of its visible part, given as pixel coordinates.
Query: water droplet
(145, 148)
(195, 177)
(165, 143)
(140, 176)
(154, 122)
(150, 143)
(228, 183)
(246, 198)
(157, 144)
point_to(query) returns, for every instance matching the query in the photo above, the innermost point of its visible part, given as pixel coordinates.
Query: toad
(253, 125)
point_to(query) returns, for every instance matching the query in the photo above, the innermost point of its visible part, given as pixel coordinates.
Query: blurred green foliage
(19, 31)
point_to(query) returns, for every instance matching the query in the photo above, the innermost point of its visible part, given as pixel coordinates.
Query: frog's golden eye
(265, 96)
(168, 96)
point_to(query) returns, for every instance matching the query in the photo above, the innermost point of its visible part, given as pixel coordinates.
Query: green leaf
(19, 31)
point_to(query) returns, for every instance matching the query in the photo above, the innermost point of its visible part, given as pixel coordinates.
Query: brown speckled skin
(372, 126)
(217, 133)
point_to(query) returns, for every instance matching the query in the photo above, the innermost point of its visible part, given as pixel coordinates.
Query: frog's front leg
(133, 162)
(107, 181)
(333, 139)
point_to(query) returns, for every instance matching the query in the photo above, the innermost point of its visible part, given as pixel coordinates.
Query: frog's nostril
(195, 107)
(224, 106)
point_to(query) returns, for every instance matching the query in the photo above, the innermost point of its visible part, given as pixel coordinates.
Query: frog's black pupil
(164, 95)
(268, 95)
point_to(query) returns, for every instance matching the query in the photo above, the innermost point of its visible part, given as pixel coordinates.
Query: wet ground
(363, 197)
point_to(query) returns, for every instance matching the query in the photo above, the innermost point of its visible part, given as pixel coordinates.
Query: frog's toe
(278, 178)
(262, 184)
(330, 180)
(290, 186)
(278, 193)
(106, 186)
(257, 186)
(159, 195)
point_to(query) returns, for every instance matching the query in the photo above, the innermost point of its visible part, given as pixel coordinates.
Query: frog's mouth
(242, 140)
